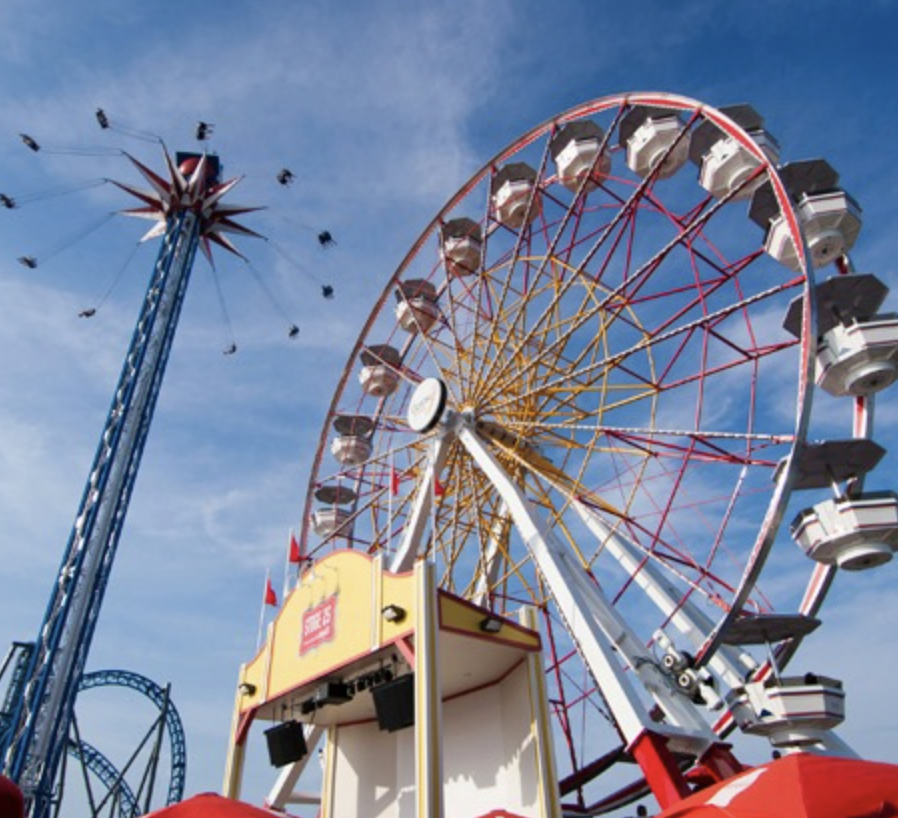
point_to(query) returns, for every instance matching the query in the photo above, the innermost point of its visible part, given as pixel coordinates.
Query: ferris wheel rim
(599, 104)
(776, 507)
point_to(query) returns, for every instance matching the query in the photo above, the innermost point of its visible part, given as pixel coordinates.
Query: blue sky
(382, 111)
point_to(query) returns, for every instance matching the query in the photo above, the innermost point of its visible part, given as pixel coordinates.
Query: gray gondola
(515, 197)
(857, 348)
(379, 375)
(576, 151)
(416, 305)
(332, 519)
(829, 217)
(461, 246)
(352, 445)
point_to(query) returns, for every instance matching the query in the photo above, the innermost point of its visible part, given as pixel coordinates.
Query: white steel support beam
(491, 564)
(596, 628)
(410, 547)
(283, 791)
(728, 663)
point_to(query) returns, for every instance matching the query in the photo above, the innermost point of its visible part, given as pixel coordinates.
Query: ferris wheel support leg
(720, 763)
(405, 556)
(491, 564)
(729, 664)
(282, 793)
(661, 771)
(597, 630)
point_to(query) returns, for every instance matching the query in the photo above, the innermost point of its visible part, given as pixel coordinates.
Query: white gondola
(416, 307)
(350, 450)
(516, 201)
(654, 140)
(379, 375)
(857, 351)
(724, 162)
(575, 150)
(729, 163)
(791, 711)
(831, 223)
(352, 445)
(860, 358)
(830, 219)
(854, 533)
(461, 246)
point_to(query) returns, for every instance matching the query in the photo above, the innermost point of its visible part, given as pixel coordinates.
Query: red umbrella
(212, 805)
(799, 786)
(12, 805)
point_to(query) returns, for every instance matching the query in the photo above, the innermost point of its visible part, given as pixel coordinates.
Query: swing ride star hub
(188, 213)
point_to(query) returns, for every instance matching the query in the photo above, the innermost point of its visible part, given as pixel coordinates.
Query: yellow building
(427, 704)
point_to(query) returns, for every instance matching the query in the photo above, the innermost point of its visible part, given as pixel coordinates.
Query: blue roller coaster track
(159, 696)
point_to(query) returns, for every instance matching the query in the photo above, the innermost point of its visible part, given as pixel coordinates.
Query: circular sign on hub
(427, 404)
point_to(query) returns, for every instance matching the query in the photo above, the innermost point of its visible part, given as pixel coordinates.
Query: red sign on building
(318, 625)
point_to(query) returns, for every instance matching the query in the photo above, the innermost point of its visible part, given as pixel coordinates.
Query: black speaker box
(394, 703)
(286, 743)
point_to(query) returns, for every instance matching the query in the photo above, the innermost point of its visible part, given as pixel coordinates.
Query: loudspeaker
(286, 743)
(394, 703)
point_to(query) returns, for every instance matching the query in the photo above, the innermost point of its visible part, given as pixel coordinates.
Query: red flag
(394, 481)
(295, 556)
(271, 597)
(438, 489)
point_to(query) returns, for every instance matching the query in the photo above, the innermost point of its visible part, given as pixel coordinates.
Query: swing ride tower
(188, 215)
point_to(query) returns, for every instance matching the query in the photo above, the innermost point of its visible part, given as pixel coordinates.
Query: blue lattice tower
(188, 215)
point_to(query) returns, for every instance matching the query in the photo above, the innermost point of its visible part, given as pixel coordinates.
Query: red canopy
(212, 805)
(12, 805)
(799, 786)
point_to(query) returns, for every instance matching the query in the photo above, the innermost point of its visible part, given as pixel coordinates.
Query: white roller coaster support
(596, 628)
(405, 556)
(729, 664)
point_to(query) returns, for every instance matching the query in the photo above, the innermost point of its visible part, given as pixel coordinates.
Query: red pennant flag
(271, 597)
(438, 490)
(394, 481)
(295, 556)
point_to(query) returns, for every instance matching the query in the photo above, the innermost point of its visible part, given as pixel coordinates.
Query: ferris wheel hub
(427, 405)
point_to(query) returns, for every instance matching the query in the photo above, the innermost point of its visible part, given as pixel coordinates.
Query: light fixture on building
(393, 613)
(490, 624)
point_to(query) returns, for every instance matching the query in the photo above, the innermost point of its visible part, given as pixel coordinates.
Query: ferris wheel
(587, 389)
